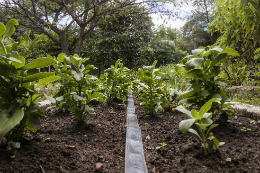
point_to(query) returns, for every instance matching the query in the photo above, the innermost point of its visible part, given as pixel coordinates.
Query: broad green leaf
(202, 126)
(61, 57)
(14, 60)
(65, 76)
(96, 96)
(197, 51)
(35, 121)
(218, 58)
(32, 71)
(15, 44)
(76, 60)
(183, 110)
(206, 121)
(185, 125)
(194, 72)
(37, 76)
(206, 107)
(207, 115)
(221, 143)
(9, 119)
(77, 75)
(156, 101)
(38, 63)
(2, 29)
(116, 64)
(205, 93)
(10, 27)
(231, 52)
(52, 100)
(78, 98)
(187, 94)
(211, 127)
(221, 83)
(165, 103)
(89, 109)
(47, 80)
(149, 68)
(216, 70)
(59, 99)
(5, 69)
(229, 111)
(195, 132)
(194, 62)
(195, 114)
(215, 96)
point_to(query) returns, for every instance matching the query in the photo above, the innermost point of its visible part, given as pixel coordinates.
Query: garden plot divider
(134, 156)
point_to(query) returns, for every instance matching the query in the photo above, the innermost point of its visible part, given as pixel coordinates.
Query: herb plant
(162, 146)
(152, 82)
(204, 68)
(18, 99)
(203, 121)
(116, 81)
(77, 88)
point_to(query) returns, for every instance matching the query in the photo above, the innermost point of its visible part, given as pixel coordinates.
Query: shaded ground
(61, 146)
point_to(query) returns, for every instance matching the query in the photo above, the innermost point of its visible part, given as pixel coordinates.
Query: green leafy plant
(18, 98)
(252, 122)
(77, 88)
(204, 68)
(203, 121)
(162, 146)
(244, 129)
(152, 82)
(116, 81)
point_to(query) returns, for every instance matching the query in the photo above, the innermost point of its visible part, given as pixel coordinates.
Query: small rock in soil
(99, 167)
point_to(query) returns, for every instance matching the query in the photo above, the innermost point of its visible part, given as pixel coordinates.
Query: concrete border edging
(134, 156)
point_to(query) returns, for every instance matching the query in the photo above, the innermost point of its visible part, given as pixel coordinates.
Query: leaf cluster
(151, 88)
(203, 121)
(77, 88)
(18, 101)
(116, 82)
(204, 68)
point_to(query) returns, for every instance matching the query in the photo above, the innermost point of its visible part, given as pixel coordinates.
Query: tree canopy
(55, 18)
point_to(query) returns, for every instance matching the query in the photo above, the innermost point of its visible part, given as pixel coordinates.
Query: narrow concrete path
(134, 156)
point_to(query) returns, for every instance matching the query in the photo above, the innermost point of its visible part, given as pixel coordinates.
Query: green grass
(247, 96)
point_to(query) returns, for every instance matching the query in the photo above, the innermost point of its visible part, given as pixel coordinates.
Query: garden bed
(62, 146)
(184, 152)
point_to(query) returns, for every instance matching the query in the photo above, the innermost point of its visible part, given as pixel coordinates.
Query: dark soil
(62, 146)
(184, 152)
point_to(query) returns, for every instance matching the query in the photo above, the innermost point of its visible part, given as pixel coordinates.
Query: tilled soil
(184, 152)
(62, 146)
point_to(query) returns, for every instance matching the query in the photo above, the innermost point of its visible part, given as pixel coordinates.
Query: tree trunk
(64, 45)
(65, 48)
(79, 45)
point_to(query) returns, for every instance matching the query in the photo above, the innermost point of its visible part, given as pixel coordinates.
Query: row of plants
(77, 88)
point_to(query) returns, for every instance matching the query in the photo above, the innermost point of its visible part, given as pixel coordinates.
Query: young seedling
(244, 129)
(203, 121)
(162, 146)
